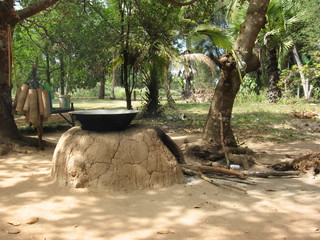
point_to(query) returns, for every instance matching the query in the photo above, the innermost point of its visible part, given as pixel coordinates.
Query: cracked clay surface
(133, 159)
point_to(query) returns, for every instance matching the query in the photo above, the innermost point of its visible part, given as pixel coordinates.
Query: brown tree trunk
(114, 80)
(48, 73)
(229, 82)
(222, 104)
(62, 75)
(8, 128)
(102, 88)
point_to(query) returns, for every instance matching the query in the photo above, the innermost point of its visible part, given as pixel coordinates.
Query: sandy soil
(275, 208)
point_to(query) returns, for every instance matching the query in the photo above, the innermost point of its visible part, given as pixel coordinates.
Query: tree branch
(34, 9)
(254, 22)
(215, 60)
(180, 3)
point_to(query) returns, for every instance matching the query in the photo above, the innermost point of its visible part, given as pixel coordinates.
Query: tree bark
(222, 104)
(62, 75)
(170, 99)
(102, 88)
(274, 92)
(187, 91)
(152, 95)
(8, 128)
(114, 80)
(48, 72)
(229, 82)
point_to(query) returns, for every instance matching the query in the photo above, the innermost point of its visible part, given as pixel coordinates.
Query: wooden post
(40, 133)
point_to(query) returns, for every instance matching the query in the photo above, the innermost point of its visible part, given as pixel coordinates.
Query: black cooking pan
(103, 119)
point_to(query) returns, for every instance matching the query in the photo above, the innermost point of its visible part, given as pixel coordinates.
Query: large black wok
(104, 120)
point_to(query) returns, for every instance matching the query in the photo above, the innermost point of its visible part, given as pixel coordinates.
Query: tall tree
(9, 17)
(160, 22)
(277, 41)
(230, 79)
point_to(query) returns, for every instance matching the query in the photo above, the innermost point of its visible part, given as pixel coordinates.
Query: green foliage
(88, 36)
(216, 35)
(290, 78)
(248, 85)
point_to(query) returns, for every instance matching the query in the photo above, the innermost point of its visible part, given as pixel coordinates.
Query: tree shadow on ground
(272, 209)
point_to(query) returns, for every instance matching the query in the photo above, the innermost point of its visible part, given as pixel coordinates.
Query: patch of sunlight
(9, 181)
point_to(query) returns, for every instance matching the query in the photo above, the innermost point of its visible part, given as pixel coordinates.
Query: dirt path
(273, 209)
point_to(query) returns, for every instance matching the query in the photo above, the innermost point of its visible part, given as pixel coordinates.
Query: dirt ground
(274, 208)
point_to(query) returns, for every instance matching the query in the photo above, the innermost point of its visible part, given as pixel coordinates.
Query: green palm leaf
(216, 35)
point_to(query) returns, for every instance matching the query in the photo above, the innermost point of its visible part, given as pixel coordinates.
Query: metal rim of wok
(104, 120)
(104, 112)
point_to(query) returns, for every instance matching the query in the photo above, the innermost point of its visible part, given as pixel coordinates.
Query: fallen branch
(216, 182)
(220, 182)
(271, 173)
(214, 169)
(232, 179)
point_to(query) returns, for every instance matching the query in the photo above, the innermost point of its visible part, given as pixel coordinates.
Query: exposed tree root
(203, 151)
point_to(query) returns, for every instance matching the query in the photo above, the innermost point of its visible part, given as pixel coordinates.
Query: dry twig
(216, 182)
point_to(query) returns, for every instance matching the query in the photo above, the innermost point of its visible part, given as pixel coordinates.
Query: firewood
(215, 170)
(265, 174)
(220, 182)
(232, 179)
(217, 182)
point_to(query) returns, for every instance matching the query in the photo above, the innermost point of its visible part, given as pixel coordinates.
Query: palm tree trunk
(274, 92)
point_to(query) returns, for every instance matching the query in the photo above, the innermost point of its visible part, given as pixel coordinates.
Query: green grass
(94, 103)
(263, 121)
(257, 121)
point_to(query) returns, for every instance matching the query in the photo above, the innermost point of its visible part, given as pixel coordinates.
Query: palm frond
(215, 34)
(273, 32)
(292, 20)
(284, 49)
(199, 57)
(114, 63)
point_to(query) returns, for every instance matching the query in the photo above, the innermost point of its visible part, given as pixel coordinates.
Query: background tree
(160, 22)
(218, 125)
